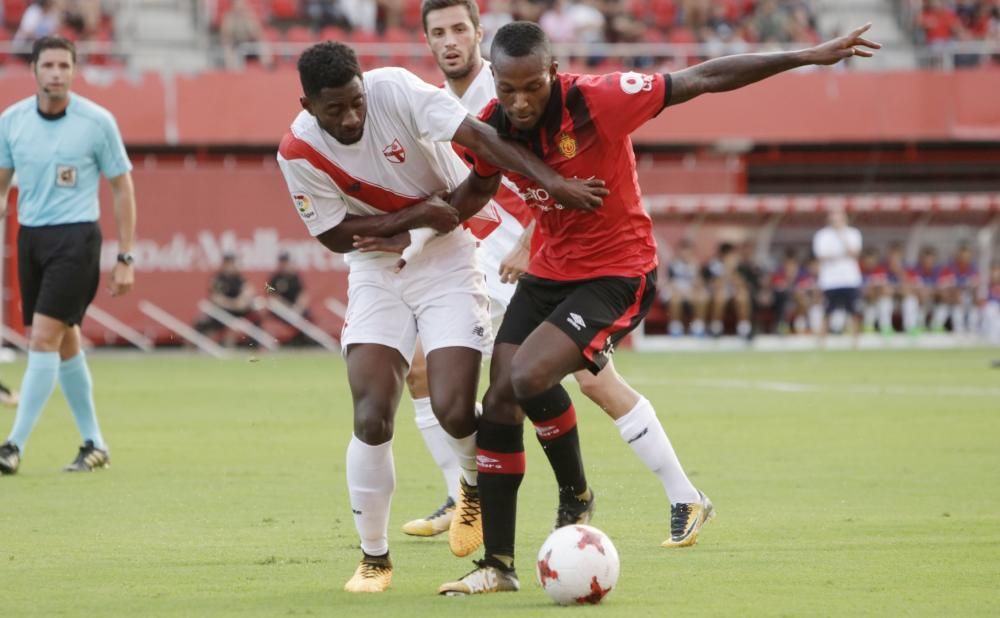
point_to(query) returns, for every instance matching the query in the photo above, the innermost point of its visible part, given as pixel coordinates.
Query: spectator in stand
(231, 292)
(726, 287)
(809, 299)
(285, 286)
(240, 35)
(960, 292)
(783, 281)
(528, 10)
(838, 247)
(876, 294)
(769, 23)
(750, 270)
(991, 307)
(84, 16)
(685, 290)
(621, 26)
(325, 13)
(902, 285)
(940, 24)
(929, 279)
(497, 15)
(41, 19)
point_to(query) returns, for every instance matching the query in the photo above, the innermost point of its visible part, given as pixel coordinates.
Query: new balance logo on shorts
(576, 321)
(478, 331)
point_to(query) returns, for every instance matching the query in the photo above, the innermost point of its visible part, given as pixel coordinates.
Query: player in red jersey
(592, 279)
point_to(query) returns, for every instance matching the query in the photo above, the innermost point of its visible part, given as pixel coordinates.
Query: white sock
(958, 319)
(465, 453)
(911, 313)
(642, 430)
(676, 327)
(871, 314)
(715, 327)
(940, 317)
(885, 314)
(816, 318)
(438, 443)
(743, 328)
(371, 479)
(698, 328)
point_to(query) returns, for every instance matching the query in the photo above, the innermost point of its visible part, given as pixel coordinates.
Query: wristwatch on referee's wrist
(126, 259)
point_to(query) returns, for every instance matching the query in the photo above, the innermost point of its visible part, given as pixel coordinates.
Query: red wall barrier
(255, 107)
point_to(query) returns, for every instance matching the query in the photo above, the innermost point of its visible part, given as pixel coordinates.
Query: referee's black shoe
(89, 458)
(574, 508)
(10, 458)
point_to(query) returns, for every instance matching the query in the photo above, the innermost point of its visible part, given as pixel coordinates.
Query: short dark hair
(521, 38)
(434, 5)
(327, 65)
(52, 42)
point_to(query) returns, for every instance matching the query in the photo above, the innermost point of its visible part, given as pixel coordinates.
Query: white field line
(800, 387)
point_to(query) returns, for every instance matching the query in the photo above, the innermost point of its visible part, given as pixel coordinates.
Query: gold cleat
(485, 578)
(686, 520)
(434, 524)
(466, 532)
(374, 574)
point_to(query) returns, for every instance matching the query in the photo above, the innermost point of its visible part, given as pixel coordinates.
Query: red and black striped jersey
(584, 132)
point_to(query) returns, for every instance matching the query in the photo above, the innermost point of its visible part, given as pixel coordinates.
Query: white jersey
(404, 156)
(495, 247)
(838, 268)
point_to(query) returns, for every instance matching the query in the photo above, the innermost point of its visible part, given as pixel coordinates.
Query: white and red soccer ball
(577, 564)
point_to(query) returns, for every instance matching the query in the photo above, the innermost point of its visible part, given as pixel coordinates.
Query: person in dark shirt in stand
(231, 292)
(285, 286)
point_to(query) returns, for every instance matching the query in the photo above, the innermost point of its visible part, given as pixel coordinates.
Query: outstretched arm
(433, 213)
(732, 72)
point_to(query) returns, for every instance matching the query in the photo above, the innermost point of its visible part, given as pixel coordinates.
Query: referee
(60, 143)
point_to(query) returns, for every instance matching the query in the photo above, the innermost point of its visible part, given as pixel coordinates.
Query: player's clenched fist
(436, 213)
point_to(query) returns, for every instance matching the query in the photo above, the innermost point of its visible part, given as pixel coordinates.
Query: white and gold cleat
(485, 578)
(374, 574)
(434, 524)
(686, 520)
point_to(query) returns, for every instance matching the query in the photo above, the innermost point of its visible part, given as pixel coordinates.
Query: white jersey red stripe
(403, 156)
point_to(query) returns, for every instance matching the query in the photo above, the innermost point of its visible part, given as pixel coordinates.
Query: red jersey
(584, 132)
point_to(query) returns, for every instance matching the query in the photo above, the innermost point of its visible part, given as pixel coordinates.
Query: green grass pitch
(847, 484)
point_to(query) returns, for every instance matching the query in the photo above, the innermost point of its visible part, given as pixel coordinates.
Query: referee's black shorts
(595, 313)
(59, 267)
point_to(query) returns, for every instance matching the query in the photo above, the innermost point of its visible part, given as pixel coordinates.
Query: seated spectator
(960, 292)
(761, 299)
(770, 23)
(84, 16)
(809, 299)
(685, 291)
(325, 13)
(496, 16)
(240, 35)
(940, 24)
(991, 307)
(928, 279)
(285, 286)
(727, 288)
(42, 18)
(232, 293)
(783, 282)
(876, 293)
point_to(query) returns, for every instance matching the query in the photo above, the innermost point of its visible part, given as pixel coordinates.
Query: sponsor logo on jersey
(567, 145)
(395, 152)
(634, 83)
(65, 176)
(304, 205)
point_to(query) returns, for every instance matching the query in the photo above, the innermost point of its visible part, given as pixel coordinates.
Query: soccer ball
(577, 564)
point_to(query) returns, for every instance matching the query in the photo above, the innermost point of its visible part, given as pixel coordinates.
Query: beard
(460, 72)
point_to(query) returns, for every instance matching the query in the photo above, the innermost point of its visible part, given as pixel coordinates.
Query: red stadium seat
(284, 9)
(13, 10)
(300, 34)
(334, 33)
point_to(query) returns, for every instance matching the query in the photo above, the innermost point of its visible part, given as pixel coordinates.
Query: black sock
(500, 460)
(554, 418)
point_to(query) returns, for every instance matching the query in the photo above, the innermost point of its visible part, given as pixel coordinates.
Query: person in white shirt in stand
(838, 247)
(371, 155)
(453, 34)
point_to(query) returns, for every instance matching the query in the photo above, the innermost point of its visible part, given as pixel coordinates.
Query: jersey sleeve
(436, 114)
(620, 103)
(318, 202)
(6, 156)
(111, 156)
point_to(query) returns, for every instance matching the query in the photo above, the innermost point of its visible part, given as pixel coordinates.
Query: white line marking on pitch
(798, 387)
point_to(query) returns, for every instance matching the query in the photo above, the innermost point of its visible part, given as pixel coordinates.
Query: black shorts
(595, 313)
(59, 267)
(848, 299)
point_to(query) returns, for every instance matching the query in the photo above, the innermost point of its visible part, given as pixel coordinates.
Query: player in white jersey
(453, 33)
(370, 156)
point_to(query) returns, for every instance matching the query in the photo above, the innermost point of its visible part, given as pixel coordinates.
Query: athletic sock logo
(641, 434)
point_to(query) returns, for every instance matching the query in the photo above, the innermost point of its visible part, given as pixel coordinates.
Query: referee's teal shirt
(59, 162)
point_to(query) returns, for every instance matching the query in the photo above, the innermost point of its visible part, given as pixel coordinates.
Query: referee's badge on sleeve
(65, 176)
(304, 205)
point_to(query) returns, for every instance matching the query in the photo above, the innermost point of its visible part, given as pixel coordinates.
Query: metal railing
(648, 56)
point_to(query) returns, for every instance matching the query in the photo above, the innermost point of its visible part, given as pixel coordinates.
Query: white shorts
(492, 250)
(442, 297)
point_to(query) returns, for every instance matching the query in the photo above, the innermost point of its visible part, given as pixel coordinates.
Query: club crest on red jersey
(567, 145)
(395, 152)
